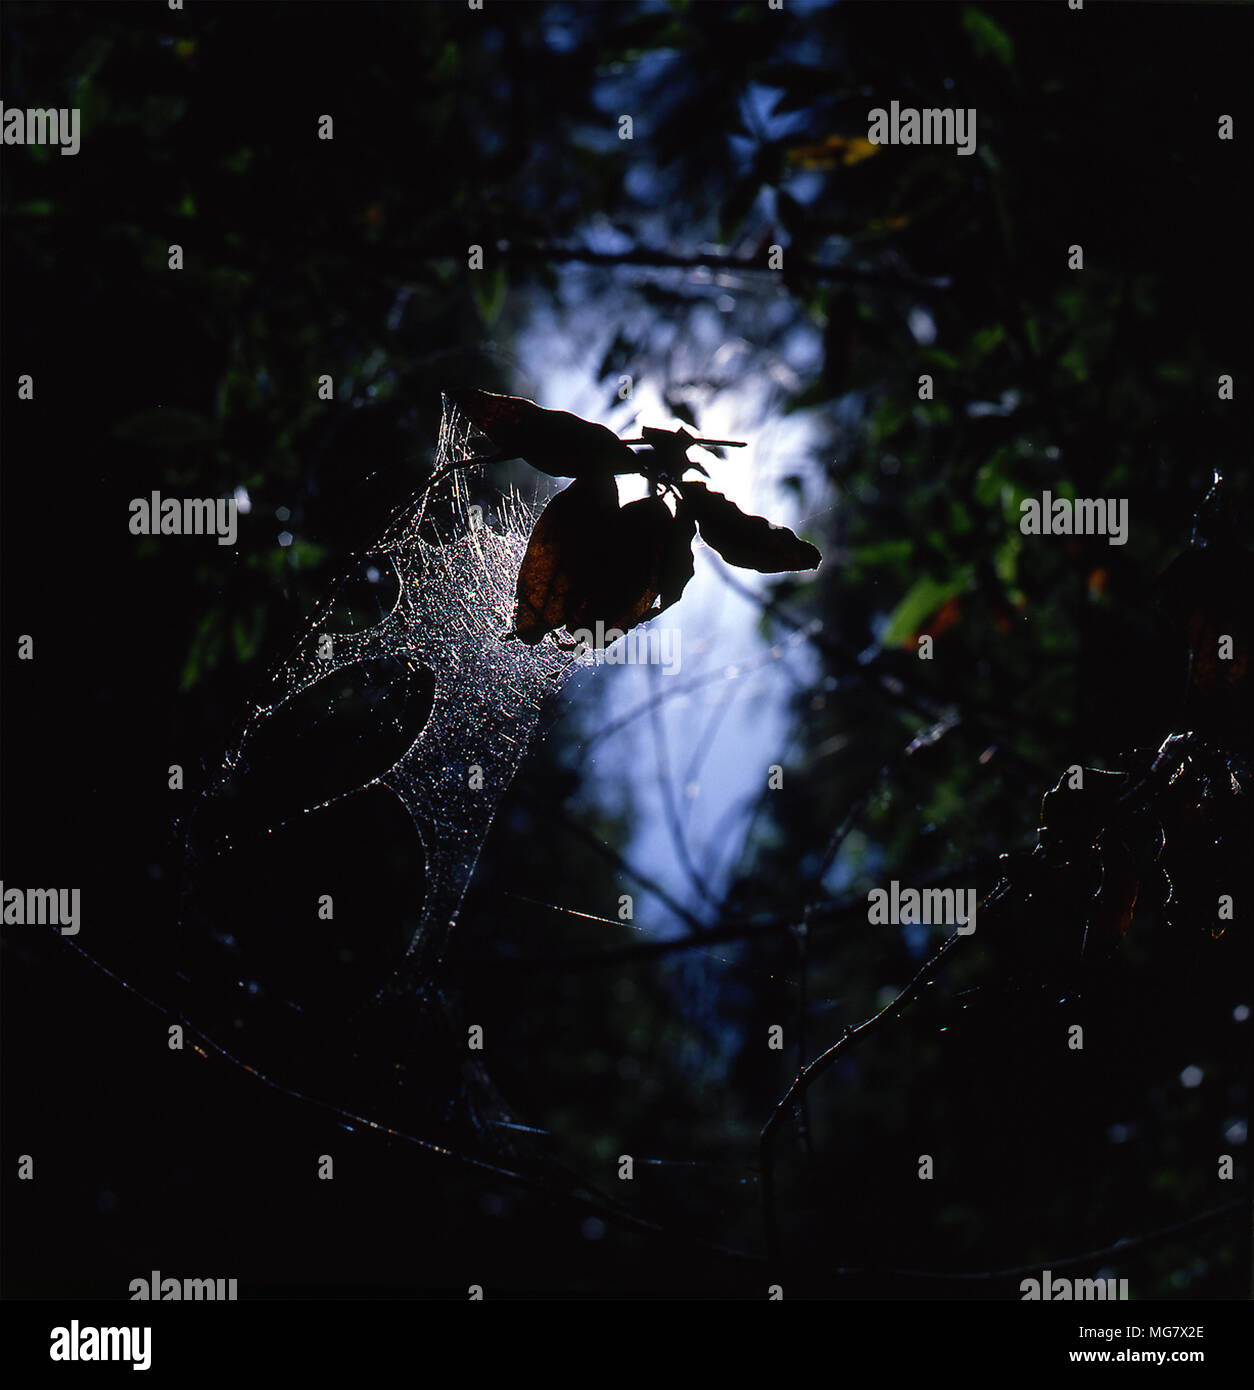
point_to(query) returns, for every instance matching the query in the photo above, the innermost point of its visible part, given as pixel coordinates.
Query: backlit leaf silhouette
(639, 548)
(562, 556)
(554, 441)
(750, 542)
(676, 563)
(594, 567)
(590, 562)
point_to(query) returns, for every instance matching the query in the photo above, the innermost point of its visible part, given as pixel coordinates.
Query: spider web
(454, 706)
(454, 602)
(397, 721)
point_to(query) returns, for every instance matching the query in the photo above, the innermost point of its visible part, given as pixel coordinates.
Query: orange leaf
(562, 556)
(590, 562)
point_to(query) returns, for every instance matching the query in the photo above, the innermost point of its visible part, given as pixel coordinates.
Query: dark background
(348, 257)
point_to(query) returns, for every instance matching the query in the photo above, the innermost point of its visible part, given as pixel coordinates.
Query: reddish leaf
(942, 620)
(641, 569)
(625, 583)
(563, 556)
(590, 562)
(751, 542)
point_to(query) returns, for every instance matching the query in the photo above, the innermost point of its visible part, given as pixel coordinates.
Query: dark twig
(822, 1063)
(637, 950)
(649, 259)
(577, 827)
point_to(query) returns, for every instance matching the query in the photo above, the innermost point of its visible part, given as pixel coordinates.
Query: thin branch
(822, 1063)
(616, 857)
(830, 916)
(650, 259)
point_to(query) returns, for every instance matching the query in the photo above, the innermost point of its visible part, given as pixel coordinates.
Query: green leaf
(986, 339)
(1006, 559)
(988, 38)
(245, 636)
(205, 649)
(921, 600)
(490, 294)
(883, 553)
(1073, 361)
